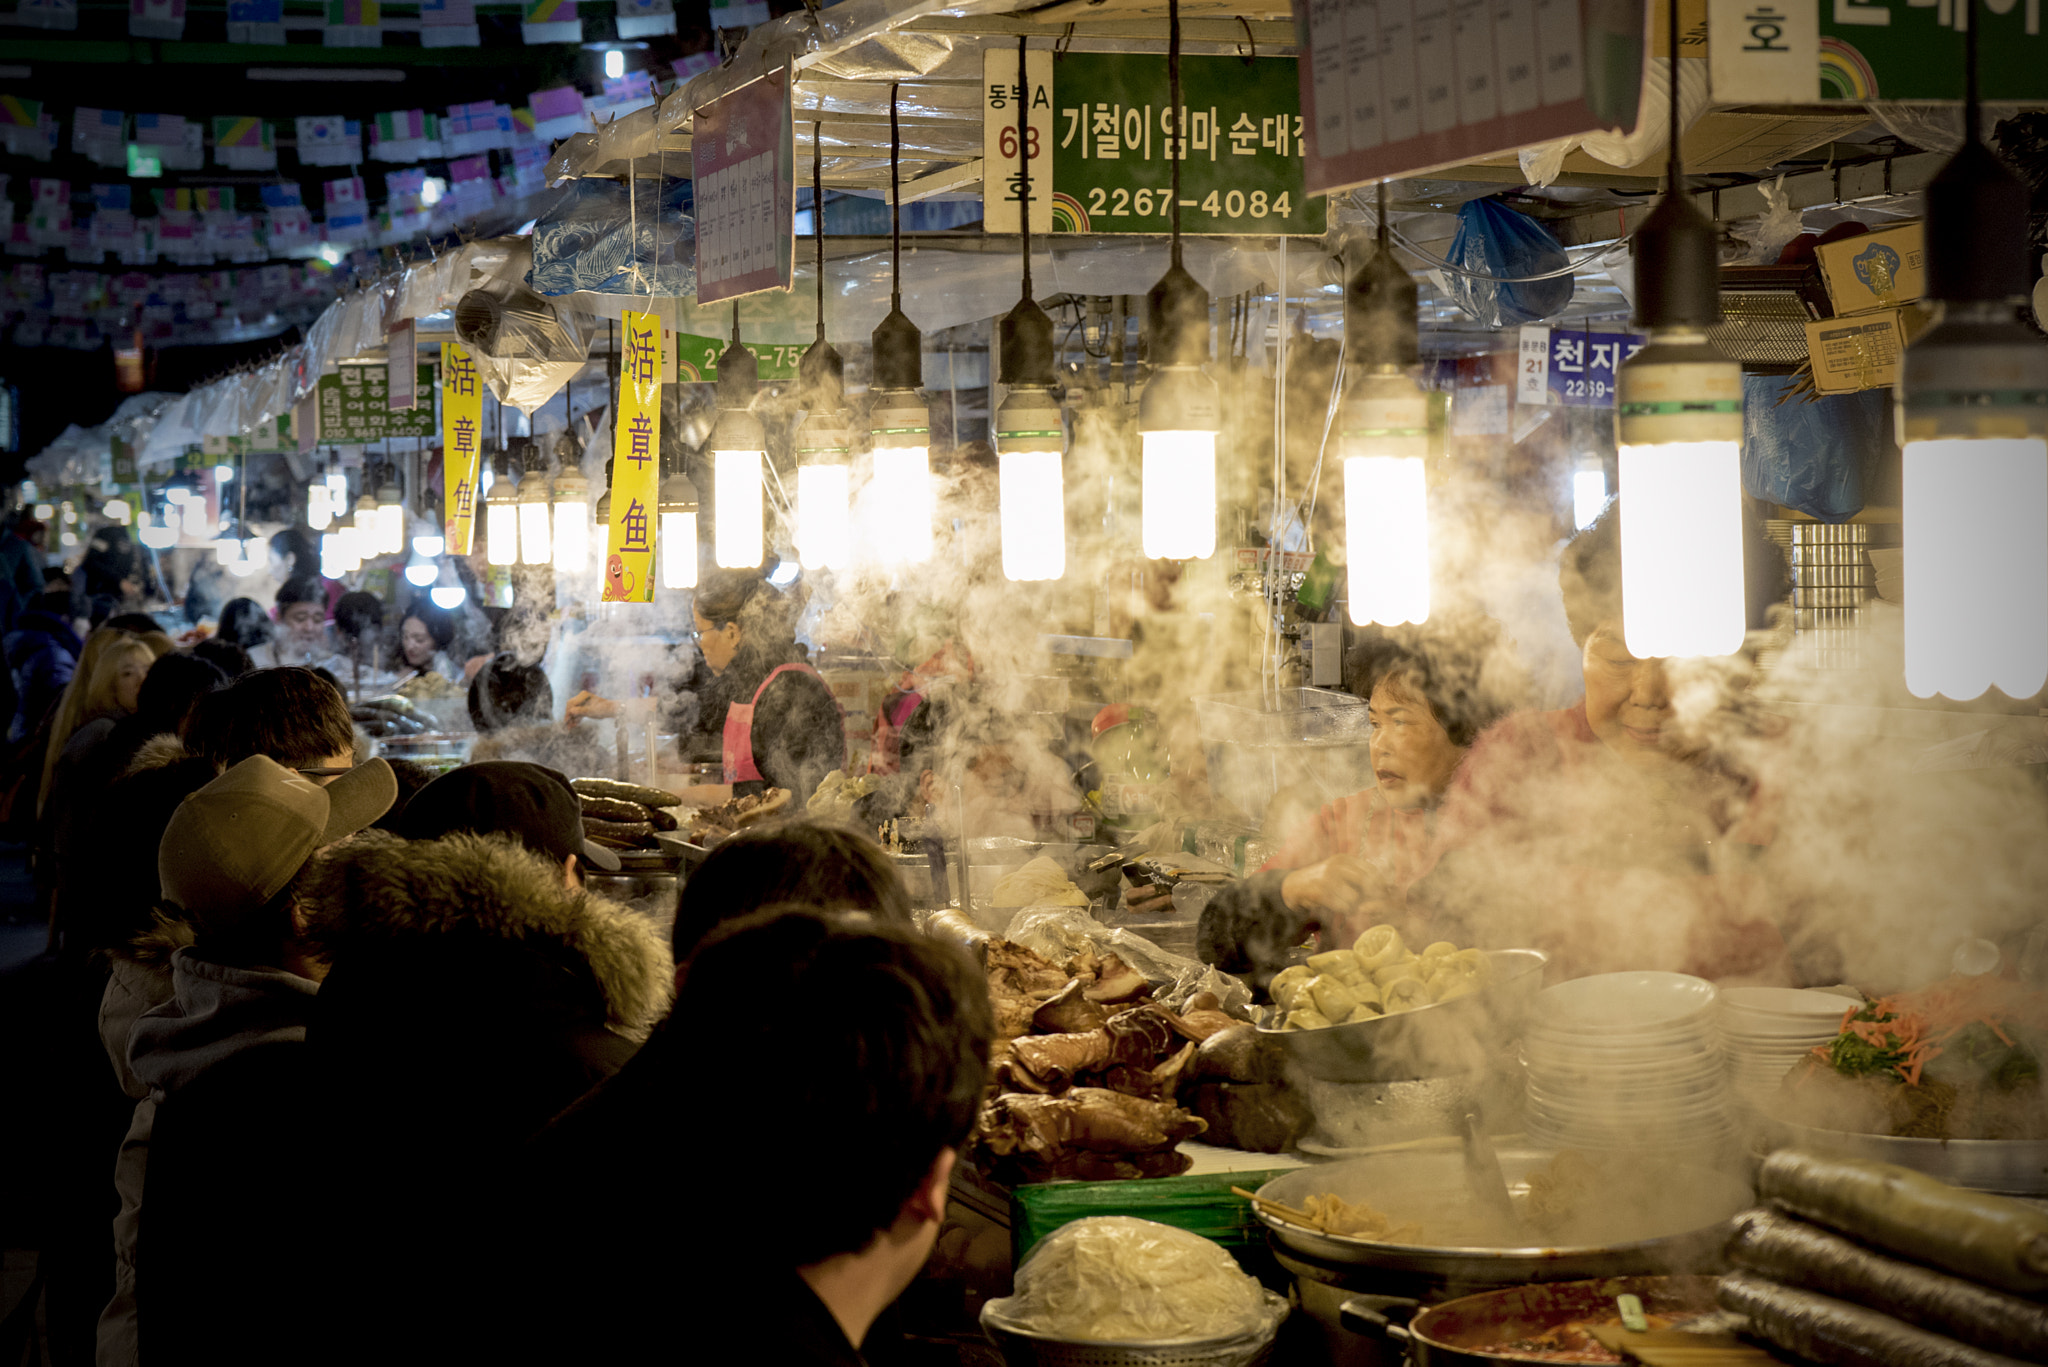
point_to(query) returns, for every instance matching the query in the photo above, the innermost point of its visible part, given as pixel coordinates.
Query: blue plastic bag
(1494, 240)
(1810, 456)
(585, 240)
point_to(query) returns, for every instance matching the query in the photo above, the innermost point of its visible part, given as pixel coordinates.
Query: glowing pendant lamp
(739, 448)
(678, 540)
(1029, 429)
(823, 441)
(899, 423)
(501, 514)
(1383, 436)
(1679, 430)
(536, 513)
(390, 515)
(572, 521)
(1178, 414)
(319, 502)
(1973, 422)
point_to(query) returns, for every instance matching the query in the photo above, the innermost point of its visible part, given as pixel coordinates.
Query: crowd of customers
(346, 1064)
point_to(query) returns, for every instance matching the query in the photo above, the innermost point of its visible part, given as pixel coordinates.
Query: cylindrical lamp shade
(1679, 430)
(1178, 515)
(536, 543)
(824, 518)
(1034, 514)
(1975, 527)
(1386, 520)
(501, 532)
(737, 534)
(679, 550)
(572, 535)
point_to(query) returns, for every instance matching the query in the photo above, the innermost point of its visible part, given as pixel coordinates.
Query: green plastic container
(1200, 1205)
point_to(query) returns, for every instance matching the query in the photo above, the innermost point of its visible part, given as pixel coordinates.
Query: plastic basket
(1022, 1348)
(1199, 1205)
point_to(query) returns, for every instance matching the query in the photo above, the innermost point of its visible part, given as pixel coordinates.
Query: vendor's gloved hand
(588, 704)
(1148, 899)
(1333, 888)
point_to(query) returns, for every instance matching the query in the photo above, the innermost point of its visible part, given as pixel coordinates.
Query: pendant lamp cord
(1178, 115)
(1972, 115)
(735, 322)
(1674, 171)
(818, 214)
(895, 209)
(1024, 160)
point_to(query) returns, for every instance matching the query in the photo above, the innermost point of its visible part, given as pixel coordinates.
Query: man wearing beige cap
(222, 1195)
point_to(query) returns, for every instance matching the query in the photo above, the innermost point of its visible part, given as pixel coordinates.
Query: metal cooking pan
(1652, 1217)
(1463, 1332)
(1440, 1040)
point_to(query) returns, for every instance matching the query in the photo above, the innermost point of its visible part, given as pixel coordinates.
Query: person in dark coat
(42, 652)
(470, 997)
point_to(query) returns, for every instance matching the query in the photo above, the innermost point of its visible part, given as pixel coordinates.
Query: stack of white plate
(1768, 1030)
(1626, 1061)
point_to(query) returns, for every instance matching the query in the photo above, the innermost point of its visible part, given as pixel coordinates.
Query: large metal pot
(1453, 1037)
(1651, 1217)
(1464, 1332)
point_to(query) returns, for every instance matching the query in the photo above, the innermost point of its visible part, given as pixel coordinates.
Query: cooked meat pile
(623, 816)
(716, 823)
(1087, 1065)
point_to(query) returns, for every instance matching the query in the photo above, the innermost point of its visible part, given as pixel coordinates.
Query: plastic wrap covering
(1541, 162)
(1792, 1251)
(1772, 230)
(504, 319)
(1059, 933)
(1933, 128)
(1115, 1278)
(1494, 240)
(586, 241)
(1823, 1329)
(1810, 455)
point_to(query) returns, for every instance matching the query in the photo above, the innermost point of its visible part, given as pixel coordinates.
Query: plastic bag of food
(1059, 934)
(1502, 249)
(1114, 1278)
(1039, 883)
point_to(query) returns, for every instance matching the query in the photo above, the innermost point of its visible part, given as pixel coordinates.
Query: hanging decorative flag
(330, 141)
(471, 128)
(21, 124)
(559, 112)
(100, 136)
(646, 18)
(551, 21)
(462, 426)
(405, 135)
(636, 464)
(245, 144)
(58, 14)
(354, 23)
(156, 18)
(49, 212)
(348, 208)
(448, 23)
(256, 21)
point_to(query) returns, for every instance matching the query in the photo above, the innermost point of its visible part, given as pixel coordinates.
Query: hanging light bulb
(319, 510)
(678, 538)
(390, 514)
(1029, 430)
(899, 424)
(572, 521)
(421, 570)
(1383, 436)
(534, 513)
(1973, 422)
(1679, 429)
(429, 543)
(1178, 414)
(824, 476)
(738, 448)
(158, 536)
(337, 489)
(501, 515)
(448, 597)
(117, 511)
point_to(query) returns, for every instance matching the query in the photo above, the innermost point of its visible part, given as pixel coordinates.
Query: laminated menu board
(1393, 87)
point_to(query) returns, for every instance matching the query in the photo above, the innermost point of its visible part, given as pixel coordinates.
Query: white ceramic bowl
(1802, 1003)
(1615, 1002)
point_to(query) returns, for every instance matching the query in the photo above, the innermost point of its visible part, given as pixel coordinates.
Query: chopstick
(1285, 1212)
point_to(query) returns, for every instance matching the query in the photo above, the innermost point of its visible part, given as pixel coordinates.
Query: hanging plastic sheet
(593, 239)
(1543, 161)
(1810, 456)
(1503, 249)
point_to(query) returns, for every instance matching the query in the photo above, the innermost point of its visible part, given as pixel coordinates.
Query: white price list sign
(743, 164)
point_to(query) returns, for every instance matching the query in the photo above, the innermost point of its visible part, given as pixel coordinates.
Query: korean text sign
(742, 157)
(462, 400)
(1113, 139)
(636, 464)
(354, 406)
(1571, 369)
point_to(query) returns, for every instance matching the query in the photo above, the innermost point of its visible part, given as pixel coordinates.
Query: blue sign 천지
(1571, 368)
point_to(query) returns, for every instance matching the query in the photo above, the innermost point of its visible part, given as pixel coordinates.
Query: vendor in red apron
(778, 725)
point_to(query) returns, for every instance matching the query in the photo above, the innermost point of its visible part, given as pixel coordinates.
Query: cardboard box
(1875, 271)
(1859, 352)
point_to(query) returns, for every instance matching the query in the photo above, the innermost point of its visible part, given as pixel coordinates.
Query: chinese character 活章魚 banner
(462, 410)
(636, 464)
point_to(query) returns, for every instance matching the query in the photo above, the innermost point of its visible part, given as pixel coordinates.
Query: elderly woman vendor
(1430, 691)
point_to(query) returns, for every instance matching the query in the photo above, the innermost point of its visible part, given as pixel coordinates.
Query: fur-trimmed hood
(377, 890)
(158, 752)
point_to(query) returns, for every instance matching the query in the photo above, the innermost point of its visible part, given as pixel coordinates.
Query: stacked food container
(1768, 1030)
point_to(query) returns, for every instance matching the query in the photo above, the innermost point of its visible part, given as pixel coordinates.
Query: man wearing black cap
(224, 1059)
(529, 802)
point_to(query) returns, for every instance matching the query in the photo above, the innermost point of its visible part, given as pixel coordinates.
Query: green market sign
(1110, 126)
(696, 358)
(353, 406)
(1769, 51)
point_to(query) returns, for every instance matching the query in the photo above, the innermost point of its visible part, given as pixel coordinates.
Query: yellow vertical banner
(636, 464)
(462, 412)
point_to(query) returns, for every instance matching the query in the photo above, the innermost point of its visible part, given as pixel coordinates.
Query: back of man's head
(292, 715)
(889, 1033)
